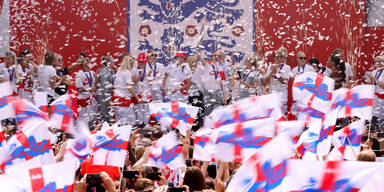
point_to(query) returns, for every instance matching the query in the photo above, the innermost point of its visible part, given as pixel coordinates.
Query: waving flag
(308, 141)
(61, 114)
(204, 144)
(313, 90)
(110, 146)
(248, 109)
(354, 102)
(236, 142)
(290, 128)
(265, 169)
(53, 177)
(25, 111)
(309, 115)
(328, 175)
(40, 99)
(29, 143)
(6, 108)
(166, 153)
(326, 132)
(347, 141)
(182, 115)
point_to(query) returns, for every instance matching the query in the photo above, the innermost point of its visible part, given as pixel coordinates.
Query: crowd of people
(120, 93)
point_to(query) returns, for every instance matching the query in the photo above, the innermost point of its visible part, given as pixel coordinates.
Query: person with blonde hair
(8, 69)
(278, 75)
(123, 92)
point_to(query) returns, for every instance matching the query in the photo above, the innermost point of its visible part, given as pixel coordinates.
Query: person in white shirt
(278, 75)
(348, 69)
(318, 67)
(86, 81)
(8, 70)
(26, 78)
(123, 92)
(155, 76)
(142, 89)
(301, 67)
(376, 78)
(177, 79)
(47, 80)
(229, 73)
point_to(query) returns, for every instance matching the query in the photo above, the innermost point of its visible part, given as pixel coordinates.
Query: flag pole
(350, 144)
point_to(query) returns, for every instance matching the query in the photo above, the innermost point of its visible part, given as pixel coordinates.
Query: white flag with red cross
(328, 175)
(29, 143)
(40, 99)
(236, 142)
(326, 131)
(166, 153)
(110, 146)
(248, 109)
(313, 90)
(52, 177)
(354, 102)
(290, 128)
(266, 169)
(181, 115)
(347, 141)
(203, 144)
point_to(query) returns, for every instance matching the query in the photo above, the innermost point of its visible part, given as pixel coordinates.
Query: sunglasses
(154, 55)
(302, 58)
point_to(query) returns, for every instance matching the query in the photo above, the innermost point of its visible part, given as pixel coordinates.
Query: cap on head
(142, 57)
(181, 54)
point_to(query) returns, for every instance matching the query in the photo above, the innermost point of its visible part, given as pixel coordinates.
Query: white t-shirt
(177, 75)
(275, 85)
(155, 74)
(299, 70)
(44, 73)
(123, 79)
(85, 80)
(142, 85)
(348, 72)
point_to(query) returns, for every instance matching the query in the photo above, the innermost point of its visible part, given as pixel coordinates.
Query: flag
(79, 147)
(110, 146)
(347, 141)
(166, 153)
(313, 90)
(308, 141)
(252, 108)
(181, 115)
(328, 175)
(266, 169)
(354, 102)
(325, 135)
(40, 99)
(309, 115)
(25, 111)
(236, 142)
(61, 114)
(29, 143)
(6, 108)
(53, 177)
(290, 128)
(204, 144)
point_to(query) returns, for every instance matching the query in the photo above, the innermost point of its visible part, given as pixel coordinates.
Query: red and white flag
(40, 99)
(248, 109)
(266, 169)
(166, 153)
(290, 128)
(354, 102)
(347, 141)
(61, 114)
(326, 132)
(236, 142)
(79, 147)
(204, 144)
(29, 143)
(313, 90)
(6, 108)
(26, 112)
(328, 175)
(181, 115)
(53, 177)
(111, 146)
(307, 144)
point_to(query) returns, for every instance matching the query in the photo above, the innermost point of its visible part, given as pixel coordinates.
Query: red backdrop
(100, 28)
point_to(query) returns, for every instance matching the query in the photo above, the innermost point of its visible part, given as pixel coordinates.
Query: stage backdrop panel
(4, 26)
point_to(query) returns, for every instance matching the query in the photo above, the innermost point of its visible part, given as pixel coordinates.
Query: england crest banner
(166, 26)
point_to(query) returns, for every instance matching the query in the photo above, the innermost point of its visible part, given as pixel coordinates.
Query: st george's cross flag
(110, 146)
(26, 112)
(236, 142)
(6, 108)
(52, 177)
(29, 143)
(313, 90)
(328, 175)
(79, 147)
(326, 131)
(347, 141)
(309, 115)
(354, 102)
(265, 169)
(203, 144)
(166, 153)
(181, 115)
(248, 109)
(61, 114)
(290, 128)
(308, 141)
